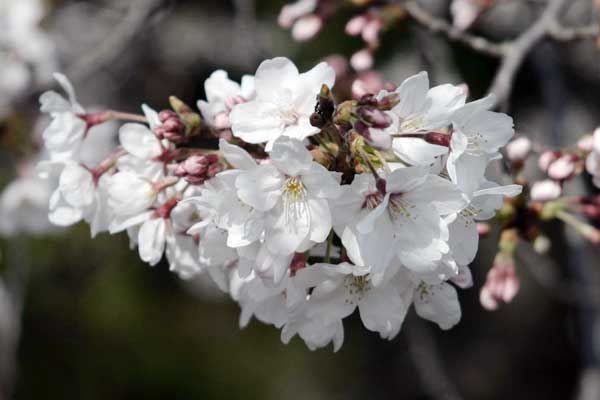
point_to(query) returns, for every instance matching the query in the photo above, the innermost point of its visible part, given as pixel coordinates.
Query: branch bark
(516, 51)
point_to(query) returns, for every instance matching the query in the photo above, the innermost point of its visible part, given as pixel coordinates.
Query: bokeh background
(86, 319)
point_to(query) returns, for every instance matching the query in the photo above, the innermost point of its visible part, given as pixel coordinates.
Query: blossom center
(289, 117)
(400, 208)
(294, 198)
(474, 142)
(356, 287)
(412, 124)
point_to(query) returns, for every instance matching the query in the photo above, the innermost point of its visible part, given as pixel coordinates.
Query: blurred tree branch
(511, 53)
(134, 21)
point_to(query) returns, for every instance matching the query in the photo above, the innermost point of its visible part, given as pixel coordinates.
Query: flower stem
(328, 248)
(588, 231)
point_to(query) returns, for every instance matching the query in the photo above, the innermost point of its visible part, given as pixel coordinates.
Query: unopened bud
(545, 190)
(355, 25)
(502, 283)
(338, 63)
(369, 82)
(362, 60)
(343, 114)
(374, 117)
(191, 119)
(561, 169)
(546, 158)
(389, 101)
(370, 33)
(172, 127)
(197, 168)
(307, 28)
(518, 149)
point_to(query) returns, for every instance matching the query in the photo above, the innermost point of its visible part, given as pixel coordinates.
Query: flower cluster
(303, 209)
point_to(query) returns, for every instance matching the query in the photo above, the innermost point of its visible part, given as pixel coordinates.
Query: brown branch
(117, 40)
(517, 50)
(441, 26)
(569, 33)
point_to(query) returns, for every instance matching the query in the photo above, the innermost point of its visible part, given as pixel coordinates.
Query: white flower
(344, 287)
(405, 223)
(268, 302)
(139, 141)
(484, 199)
(421, 109)
(64, 136)
(130, 193)
(293, 191)
(315, 333)
(484, 202)
(79, 195)
(24, 206)
(221, 94)
(284, 101)
(478, 132)
(437, 303)
(151, 240)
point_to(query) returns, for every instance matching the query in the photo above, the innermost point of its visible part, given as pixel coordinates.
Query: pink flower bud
(545, 190)
(370, 32)
(378, 119)
(172, 128)
(164, 115)
(197, 168)
(355, 25)
(502, 284)
(338, 63)
(518, 149)
(233, 101)
(369, 82)
(291, 12)
(546, 158)
(306, 28)
(562, 169)
(483, 228)
(362, 60)
(222, 121)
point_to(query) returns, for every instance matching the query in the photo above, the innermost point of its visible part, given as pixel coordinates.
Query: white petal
(290, 156)
(260, 187)
(438, 303)
(273, 73)
(256, 121)
(412, 95)
(236, 156)
(151, 240)
(140, 141)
